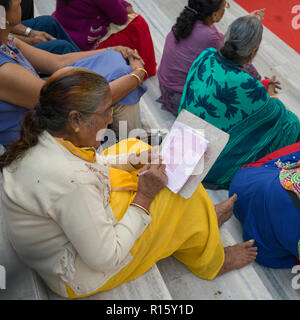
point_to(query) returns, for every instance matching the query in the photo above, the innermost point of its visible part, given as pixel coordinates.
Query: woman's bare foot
(224, 209)
(238, 256)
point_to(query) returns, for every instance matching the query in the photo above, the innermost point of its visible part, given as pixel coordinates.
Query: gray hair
(241, 38)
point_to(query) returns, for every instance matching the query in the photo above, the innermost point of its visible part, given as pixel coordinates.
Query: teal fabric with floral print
(223, 94)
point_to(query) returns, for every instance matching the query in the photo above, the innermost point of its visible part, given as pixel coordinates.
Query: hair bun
(229, 50)
(230, 45)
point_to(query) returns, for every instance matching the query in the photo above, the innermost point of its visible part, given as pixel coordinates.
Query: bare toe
(238, 256)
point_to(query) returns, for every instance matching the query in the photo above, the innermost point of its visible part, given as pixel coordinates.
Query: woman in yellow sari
(86, 222)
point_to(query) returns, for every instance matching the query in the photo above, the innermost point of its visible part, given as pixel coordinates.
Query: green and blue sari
(220, 92)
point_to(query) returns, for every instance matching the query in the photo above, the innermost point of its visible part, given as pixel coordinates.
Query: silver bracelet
(27, 31)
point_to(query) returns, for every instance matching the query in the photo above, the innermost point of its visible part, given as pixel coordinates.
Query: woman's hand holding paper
(150, 183)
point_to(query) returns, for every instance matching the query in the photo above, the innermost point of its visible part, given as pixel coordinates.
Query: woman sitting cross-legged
(20, 84)
(268, 206)
(86, 222)
(220, 91)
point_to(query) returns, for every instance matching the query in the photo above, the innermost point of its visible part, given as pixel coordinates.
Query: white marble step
(150, 286)
(42, 7)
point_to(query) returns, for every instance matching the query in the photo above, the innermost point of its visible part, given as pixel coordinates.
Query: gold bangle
(274, 97)
(137, 77)
(141, 207)
(142, 69)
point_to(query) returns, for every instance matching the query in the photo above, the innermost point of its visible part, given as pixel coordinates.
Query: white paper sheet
(181, 153)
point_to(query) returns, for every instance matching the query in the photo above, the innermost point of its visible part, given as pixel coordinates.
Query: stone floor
(169, 279)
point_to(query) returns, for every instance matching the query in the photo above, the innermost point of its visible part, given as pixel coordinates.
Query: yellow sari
(186, 229)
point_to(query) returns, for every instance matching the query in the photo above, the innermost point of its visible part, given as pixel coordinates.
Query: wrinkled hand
(154, 180)
(39, 36)
(274, 85)
(135, 63)
(127, 53)
(259, 14)
(129, 9)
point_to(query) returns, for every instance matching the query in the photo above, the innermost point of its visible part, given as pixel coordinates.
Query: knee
(58, 46)
(47, 20)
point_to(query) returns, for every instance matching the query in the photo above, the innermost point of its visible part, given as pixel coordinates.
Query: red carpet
(282, 17)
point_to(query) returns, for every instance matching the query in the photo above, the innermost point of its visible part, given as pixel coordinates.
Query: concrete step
(150, 286)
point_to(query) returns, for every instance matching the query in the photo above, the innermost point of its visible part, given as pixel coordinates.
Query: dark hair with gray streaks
(71, 89)
(241, 38)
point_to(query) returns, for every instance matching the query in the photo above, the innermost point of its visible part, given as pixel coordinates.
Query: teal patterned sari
(223, 94)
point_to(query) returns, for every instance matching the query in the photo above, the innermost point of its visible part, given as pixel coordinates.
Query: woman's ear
(253, 54)
(74, 120)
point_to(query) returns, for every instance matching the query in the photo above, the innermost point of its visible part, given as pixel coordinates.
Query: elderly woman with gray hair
(220, 91)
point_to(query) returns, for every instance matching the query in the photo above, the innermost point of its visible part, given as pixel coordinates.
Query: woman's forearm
(119, 87)
(47, 62)
(124, 85)
(68, 58)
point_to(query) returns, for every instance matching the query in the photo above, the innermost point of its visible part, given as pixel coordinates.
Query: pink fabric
(86, 21)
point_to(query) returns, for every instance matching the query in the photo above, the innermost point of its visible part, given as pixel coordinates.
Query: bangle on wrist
(27, 32)
(142, 69)
(137, 77)
(141, 207)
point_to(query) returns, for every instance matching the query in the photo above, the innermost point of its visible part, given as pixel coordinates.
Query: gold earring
(77, 130)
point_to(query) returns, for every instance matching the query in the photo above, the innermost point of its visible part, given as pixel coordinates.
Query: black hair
(196, 10)
(5, 4)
